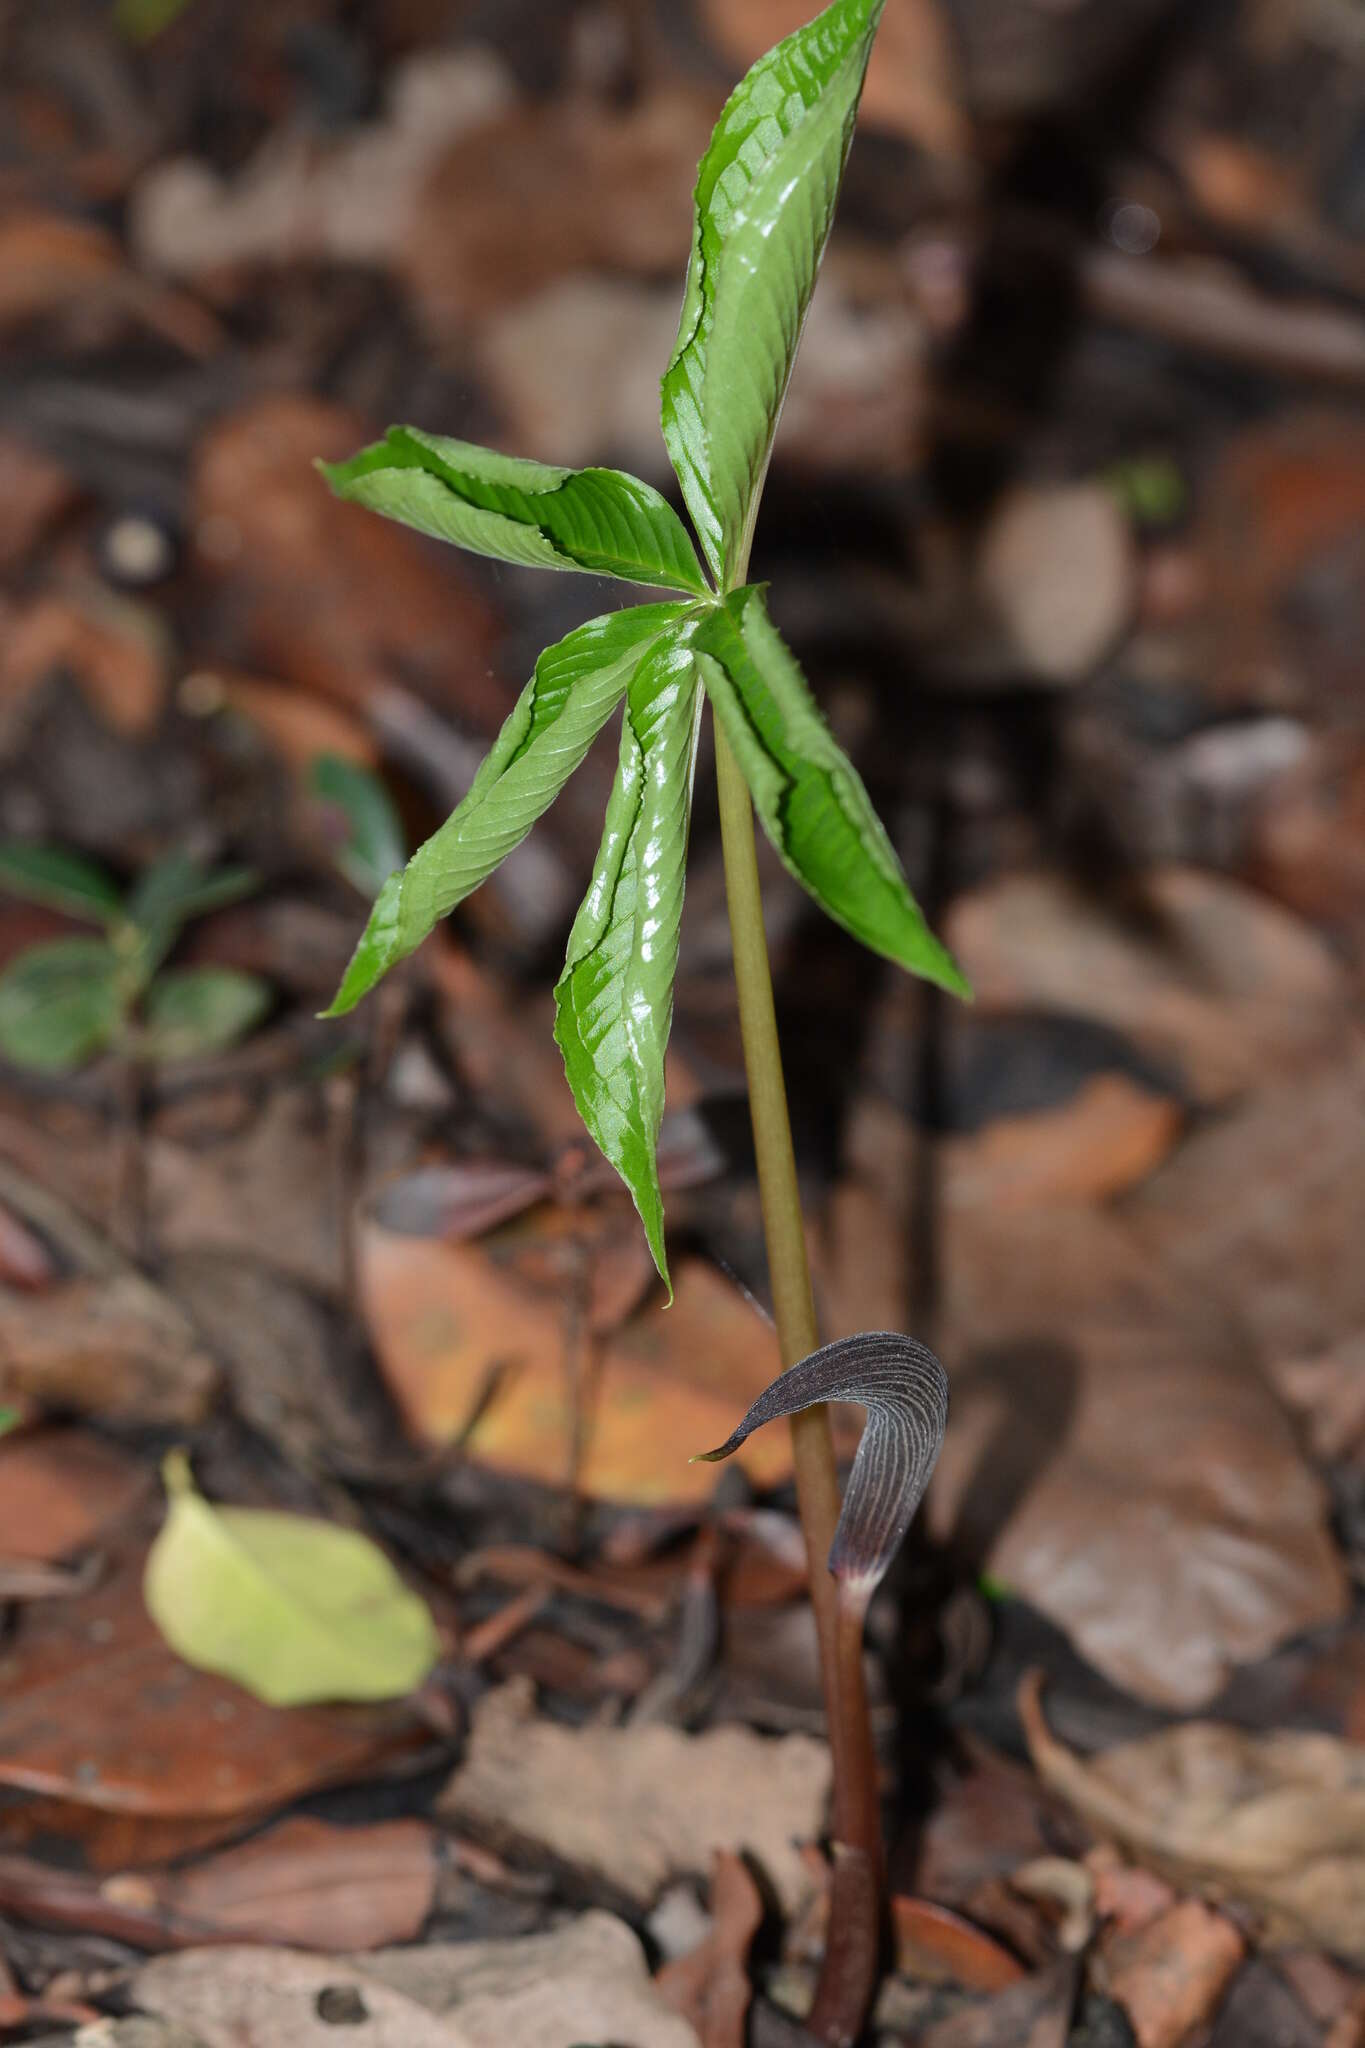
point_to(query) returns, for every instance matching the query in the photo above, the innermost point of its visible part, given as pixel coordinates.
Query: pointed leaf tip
(764, 202)
(614, 1000)
(904, 1389)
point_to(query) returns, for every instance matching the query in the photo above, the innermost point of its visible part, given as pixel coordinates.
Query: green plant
(66, 1000)
(365, 832)
(765, 198)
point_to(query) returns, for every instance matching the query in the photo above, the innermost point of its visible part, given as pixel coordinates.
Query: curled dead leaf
(1274, 1821)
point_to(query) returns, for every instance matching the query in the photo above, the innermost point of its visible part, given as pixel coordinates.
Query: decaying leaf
(253, 1998)
(300, 1884)
(106, 1344)
(936, 1945)
(1035, 2013)
(475, 1342)
(1282, 1257)
(1171, 1975)
(294, 1609)
(307, 1883)
(60, 1488)
(1113, 1460)
(905, 1392)
(711, 1985)
(97, 1713)
(1275, 1822)
(584, 1982)
(1194, 968)
(638, 1805)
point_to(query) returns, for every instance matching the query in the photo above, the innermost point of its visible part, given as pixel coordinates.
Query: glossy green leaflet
(764, 202)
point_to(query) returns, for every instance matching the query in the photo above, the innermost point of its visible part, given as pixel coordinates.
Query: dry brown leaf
(299, 725)
(262, 1998)
(1281, 1254)
(110, 1345)
(25, 1260)
(97, 1711)
(311, 1886)
(285, 1361)
(1058, 569)
(1197, 970)
(606, 337)
(937, 1946)
(1327, 1389)
(1170, 1977)
(478, 1338)
(255, 1190)
(137, 2032)
(710, 1986)
(1114, 1461)
(1287, 497)
(1275, 1822)
(350, 201)
(550, 190)
(57, 1143)
(1111, 1456)
(302, 1884)
(1107, 1138)
(320, 596)
(51, 265)
(34, 493)
(1126, 1896)
(112, 649)
(987, 1818)
(584, 1982)
(1033, 2014)
(638, 1805)
(59, 1488)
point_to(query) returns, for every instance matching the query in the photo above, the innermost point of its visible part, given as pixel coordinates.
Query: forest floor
(1067, 523)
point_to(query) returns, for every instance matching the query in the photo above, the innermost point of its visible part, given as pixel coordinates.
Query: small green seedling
(764, 203)
(765, 200)
(66, 1000)
(365, 832)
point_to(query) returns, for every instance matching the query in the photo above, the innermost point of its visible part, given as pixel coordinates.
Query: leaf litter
(1274, 1822)
(1132, 1274)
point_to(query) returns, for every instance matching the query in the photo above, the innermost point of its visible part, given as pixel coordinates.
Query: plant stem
(857, 1820)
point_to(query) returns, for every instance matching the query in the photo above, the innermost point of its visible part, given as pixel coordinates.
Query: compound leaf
(574, 690)
(905, 1392)
(600, 520)
(614, 1001)
(765, 198)
(293, 1609)
(197, 1010)
(59, 880)
(60, 1004)
(807, 792)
